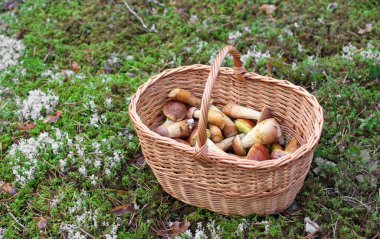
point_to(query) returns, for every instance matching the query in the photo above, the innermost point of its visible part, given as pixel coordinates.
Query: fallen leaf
(54, 118)
(294, 207)
(21, 34)
(320, 161)
(179, 227)
(7, 188)
(311, 227)
(26, 127)
(42, 223)
(140, 160)
(123, 209)
(268, 9)
(75, 66)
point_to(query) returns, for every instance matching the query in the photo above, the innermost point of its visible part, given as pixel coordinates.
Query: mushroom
(292, 146)
(229, 129)
(167, 122)
(194, 136)
(175, 110)
(237, 147)
(213, 148)
(216, 133)
(226, 143)
(258, 152)
(244, 125)
(178, 129)
(277, 151)
(265, 132)
(185, 97)
(241, 112)
(213, 117)
(265, 114)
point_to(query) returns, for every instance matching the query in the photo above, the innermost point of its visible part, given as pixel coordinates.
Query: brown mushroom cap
(265, 114)
(292, 146)
(258, 152)
(175, 110)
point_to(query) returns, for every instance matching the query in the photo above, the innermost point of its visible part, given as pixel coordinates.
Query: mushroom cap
(292, 145)
(175, 110)
(265, 114)
(258, 152)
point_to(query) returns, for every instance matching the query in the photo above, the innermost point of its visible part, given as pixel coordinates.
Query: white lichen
(10, 51)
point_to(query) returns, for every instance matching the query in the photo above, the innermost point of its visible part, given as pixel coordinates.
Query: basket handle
(201, 146)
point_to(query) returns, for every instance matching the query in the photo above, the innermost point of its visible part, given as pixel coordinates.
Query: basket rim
(310, 145)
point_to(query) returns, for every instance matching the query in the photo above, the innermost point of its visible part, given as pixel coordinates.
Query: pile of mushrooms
(247, 133)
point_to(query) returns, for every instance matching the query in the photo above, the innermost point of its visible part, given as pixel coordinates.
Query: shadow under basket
(227, 184)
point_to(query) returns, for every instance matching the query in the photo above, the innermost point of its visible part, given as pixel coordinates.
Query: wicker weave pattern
(228, 185)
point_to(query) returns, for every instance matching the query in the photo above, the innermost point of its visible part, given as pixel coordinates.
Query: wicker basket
(227, 184)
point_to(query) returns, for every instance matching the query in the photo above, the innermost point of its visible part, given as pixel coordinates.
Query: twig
(354, 200)
(48, 53)
(14, 218)
(135, 14)
(88, 234)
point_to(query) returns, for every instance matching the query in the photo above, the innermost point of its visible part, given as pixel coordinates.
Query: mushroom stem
(194, 136)
(265, 132)
(213, 148)
(176, 130)
(240, 112)
(168, 122)
(226, 143)
(229, 129)
(185, 97)
(237, 147)
(213, 117)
